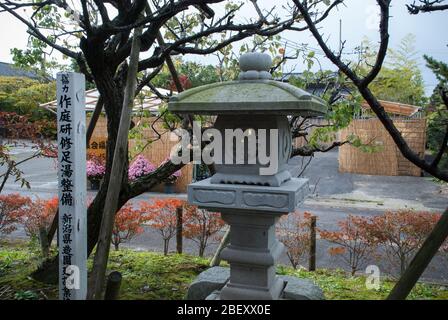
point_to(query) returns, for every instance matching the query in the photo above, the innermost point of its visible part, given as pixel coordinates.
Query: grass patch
(340, 285)
(150, 275)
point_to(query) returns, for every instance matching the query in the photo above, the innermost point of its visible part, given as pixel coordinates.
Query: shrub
(17, 126)
(127, 225)
(293, 231)
(139, 167)
(402, 233)
(39, 214)
(47, 128)
(161, 214)
(354, 241)
(12, 210)
(95, 168)
(201, 225)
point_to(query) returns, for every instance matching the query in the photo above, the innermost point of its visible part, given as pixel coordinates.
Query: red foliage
(184, 81)
(201, 225)
(402, 233)
(161, 214)
(38, 215)
(354, 241)
(293, 231)
(12, 209)
(17, 126)
(128, 223)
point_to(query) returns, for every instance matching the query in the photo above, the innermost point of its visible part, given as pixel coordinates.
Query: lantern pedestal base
(252, 253)
(209, 283)
(251, 212)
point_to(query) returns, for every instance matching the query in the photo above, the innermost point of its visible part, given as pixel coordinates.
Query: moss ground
(151, 275)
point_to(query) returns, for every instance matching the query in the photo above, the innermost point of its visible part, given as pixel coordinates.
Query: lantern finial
(255, 65)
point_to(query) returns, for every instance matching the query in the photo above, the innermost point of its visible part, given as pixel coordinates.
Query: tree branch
(36, 33)
(308, 151)
(330, 55)
(384, 42)
(426, 6)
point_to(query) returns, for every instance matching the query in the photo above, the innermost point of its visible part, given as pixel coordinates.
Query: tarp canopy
(145, 101)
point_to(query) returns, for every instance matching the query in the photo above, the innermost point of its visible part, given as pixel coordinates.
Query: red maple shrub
(17, 126)
(128, 224)
(161, 214)
(38, 215)
(401, 233)
(293, 231)
(12, 209)
(201, 225)
(354, 241)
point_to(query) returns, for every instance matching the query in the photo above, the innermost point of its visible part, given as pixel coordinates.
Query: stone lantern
(250, 192)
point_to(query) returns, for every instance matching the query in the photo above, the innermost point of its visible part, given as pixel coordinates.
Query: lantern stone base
(251, 212)
(208, 286)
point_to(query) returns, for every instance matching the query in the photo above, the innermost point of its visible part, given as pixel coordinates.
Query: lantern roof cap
(254, 92)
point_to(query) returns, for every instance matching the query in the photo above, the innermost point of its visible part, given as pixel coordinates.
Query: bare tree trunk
(113, 286)
(179, 225)
(201, 249)
(312, 253)
(293, 262)
(116, 177)
(402, 264)
(43, 239)
(166, 245)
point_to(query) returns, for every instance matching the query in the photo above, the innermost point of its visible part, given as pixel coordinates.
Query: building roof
(396, 108)
(9, 70)
(149, 101)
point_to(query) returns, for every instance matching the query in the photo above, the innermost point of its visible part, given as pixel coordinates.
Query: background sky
(358, 21)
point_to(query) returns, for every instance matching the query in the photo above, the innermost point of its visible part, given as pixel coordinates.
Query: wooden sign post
(72, 178)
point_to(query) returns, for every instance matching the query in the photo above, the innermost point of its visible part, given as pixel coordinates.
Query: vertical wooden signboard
(72, 234)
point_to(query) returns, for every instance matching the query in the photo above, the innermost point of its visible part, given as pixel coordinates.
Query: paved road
(334, 196)
(356, 190)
